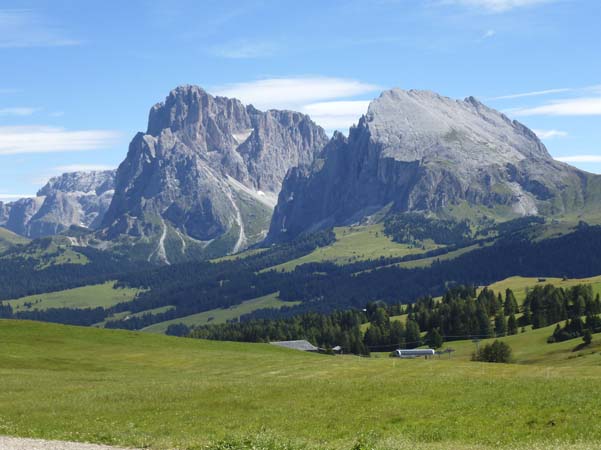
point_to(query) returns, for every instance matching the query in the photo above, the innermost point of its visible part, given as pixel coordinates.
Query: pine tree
(412, 334)
(434, 339)
(587, 337)
(500, 325)
(512, 325)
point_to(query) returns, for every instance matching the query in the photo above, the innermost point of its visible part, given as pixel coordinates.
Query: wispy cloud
(549, 134)
(294, 92)
(244, 49)
(25, 28)
(336, 115)
(44, 139)
(579, 158)
(330, 101)
(81, 168)
(18, 111)
(9, 197)
(583, 106)
(496, 6)
(531, 94)
(488, 34)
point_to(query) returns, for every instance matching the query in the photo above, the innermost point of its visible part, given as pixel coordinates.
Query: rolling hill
(134, 389)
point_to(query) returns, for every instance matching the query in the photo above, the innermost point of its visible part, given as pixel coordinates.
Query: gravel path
(10, 443)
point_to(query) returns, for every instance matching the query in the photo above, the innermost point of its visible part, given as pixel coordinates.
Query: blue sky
(78, 78)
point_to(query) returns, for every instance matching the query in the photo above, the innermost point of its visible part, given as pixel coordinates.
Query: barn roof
(297, 345)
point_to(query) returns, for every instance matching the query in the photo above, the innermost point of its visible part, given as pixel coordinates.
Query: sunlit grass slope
(520, 285)
(9, 239)
(222, 315)
(358, 243)
(103, 295)
(140, 389)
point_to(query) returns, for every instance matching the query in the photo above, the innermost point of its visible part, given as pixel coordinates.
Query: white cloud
(339, 115)
(583, 106)
(82, 168)
(488, 34)
(245, 49)
(24, 28)
(5, 197)
(549, 134)
(329, 101)
(497, 6)
(530, 94)
(579, 158)
(44, 139)
(293, 93)
(18, 111)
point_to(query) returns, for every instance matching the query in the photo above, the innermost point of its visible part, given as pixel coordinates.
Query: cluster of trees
(546, 305)
(414, 228)
(384, 334)
(575, 328)
(326, 331)
(495, 352)
(340, 328)
(462, 313)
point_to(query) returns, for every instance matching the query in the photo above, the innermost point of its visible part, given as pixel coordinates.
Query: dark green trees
(497, 352)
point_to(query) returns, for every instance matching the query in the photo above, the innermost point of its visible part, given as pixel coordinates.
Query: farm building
(414, 353)
(302, 345)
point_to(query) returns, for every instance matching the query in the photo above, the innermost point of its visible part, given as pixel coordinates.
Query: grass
(144, 390)
(93, 296)
(215, 316)
(520, 285)
(357, 243)
(530, 347)
(9, 239)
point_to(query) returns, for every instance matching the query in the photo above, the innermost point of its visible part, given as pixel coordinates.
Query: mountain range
(211, 176)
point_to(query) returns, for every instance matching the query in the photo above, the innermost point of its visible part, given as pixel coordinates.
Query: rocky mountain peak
(96, 182)
(420, 151)
(208, 169)
(415, 125)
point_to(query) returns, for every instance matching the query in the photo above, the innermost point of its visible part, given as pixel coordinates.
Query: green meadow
(159, 392)
(222, 315)
(104, 295)
(358, 243)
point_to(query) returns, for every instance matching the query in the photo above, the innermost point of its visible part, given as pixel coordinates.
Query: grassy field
(9, 239)
(223, 315)
(520, 285)
(103, 295)
(356, 244)
(144, 390)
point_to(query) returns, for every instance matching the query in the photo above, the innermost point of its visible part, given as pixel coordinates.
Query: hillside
(340, 269)
(9, 239)
(83, 384)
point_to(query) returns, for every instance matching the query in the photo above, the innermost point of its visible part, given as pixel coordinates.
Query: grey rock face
(4, 213)
(206, 173)
(419, 151)
(77, 198)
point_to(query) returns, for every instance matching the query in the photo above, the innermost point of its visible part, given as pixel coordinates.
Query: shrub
(497, 352)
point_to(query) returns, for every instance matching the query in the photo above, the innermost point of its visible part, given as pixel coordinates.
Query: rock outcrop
(205, 176)
(419, 151)
(76, 198)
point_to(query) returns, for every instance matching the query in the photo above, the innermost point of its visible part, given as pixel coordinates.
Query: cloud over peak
(44, 139)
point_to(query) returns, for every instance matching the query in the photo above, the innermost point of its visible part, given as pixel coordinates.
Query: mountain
(205, 176)
(419, 151)
(76, 198)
